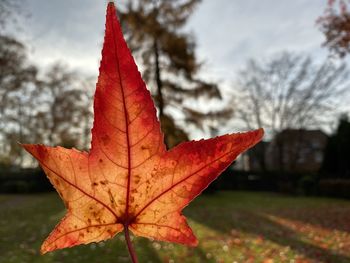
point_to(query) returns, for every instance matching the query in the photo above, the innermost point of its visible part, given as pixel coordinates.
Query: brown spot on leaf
(104, 182)
(57, 182)
(137, 178)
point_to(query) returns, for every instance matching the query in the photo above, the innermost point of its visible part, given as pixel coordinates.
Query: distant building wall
(291, 150)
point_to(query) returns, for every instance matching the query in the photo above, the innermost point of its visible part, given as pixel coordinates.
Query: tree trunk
(159, 96)
(20, 135)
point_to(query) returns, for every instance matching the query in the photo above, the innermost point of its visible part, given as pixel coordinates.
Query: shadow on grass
(328, 216)
(250, 222)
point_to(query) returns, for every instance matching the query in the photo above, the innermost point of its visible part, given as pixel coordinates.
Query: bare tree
(17, 81)
(65, 106)
(53, 109)
(289, 92)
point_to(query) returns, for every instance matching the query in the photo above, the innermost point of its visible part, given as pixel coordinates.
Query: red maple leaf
(129, 180)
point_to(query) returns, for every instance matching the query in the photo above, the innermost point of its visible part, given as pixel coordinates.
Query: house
(292, 150)
(297, 150)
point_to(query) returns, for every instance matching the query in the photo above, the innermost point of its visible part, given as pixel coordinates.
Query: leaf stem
(130, 246)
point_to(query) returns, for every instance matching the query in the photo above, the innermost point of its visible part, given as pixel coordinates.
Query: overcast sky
(228, 32)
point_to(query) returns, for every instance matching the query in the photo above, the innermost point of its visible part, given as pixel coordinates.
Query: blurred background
(213, 67)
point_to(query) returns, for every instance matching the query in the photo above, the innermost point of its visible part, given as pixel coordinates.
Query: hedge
(23, 181)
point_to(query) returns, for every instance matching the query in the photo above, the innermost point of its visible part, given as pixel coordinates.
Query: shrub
(334, 188)
(23, 181)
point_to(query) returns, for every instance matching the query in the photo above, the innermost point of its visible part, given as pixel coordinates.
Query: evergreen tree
(153, 30)
(337, 155)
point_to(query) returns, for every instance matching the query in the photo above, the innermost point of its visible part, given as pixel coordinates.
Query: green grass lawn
(231, 227)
